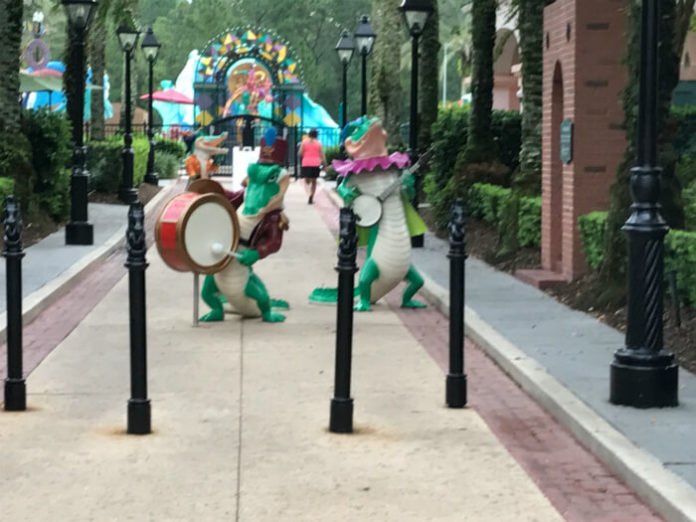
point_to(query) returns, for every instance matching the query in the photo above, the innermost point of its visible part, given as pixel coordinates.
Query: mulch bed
(482, 243)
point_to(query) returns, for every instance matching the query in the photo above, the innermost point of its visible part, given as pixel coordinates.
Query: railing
(139, 129)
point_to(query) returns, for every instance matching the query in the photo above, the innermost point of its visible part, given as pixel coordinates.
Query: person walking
(312, 157)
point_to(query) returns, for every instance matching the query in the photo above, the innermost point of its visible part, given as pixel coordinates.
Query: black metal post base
(456, 391)
(341, 420)
(127, 195)
(15, 395)
(79, 233)
(151, 178)
(418, 241)
(644, 384)
(139, 422)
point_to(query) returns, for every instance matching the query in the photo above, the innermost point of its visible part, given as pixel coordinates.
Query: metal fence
(139, 129)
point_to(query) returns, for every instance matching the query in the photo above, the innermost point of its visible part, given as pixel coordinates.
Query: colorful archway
(246, 71)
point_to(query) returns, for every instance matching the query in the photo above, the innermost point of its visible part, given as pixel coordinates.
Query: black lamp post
(128, 38)
(345, 49)
(79, 231)
(643, 374)
(151, 49)
(416, 14)
(364, 41)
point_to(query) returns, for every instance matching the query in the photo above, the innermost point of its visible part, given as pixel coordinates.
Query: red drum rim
(180, 242)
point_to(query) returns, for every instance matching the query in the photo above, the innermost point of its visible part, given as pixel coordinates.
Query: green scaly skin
(370, 271)
(262, 187)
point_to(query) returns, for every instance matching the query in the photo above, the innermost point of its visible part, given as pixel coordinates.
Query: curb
(48, 294)
(665, 492)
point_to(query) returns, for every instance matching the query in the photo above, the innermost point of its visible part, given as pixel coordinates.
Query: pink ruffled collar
(346, 167)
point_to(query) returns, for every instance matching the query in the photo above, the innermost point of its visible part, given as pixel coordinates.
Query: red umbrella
(169, 95)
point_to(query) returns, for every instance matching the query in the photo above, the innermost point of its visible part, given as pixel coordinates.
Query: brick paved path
(55, 323)
(580, 487)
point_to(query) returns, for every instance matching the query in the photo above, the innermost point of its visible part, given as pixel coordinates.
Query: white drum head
(208, 224)
(368, 210)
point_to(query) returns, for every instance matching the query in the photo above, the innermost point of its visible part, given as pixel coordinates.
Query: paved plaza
(240, 411)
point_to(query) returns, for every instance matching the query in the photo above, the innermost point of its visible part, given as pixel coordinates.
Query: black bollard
(342, 404)
(138, 405)
(456, 378)
(15, 387)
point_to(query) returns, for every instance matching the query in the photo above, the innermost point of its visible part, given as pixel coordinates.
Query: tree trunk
(97, 52)
(479, 146)
(613, 270)
(531, 23)
(72, 79)
(11, 12)
(385, 98)
(429, 76)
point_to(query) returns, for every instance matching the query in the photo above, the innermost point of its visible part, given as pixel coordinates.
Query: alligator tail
(327, 295)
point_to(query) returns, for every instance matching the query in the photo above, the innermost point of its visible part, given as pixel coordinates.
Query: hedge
(37, 159)
(592, 228)
(105, 163)
(680, 252)
(488, 202)
(449, 138)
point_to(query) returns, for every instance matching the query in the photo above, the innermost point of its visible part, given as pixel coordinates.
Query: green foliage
(529, 219)
(680, 258)
(486, 202)
(166, 165)
(15, 163)
(593, 227)
(49, 134)
(36, 158)
(449, 176)
(174, 148)
(491, 203)
(105, 163)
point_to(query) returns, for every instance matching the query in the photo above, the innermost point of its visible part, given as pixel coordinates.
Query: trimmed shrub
(174, 148)
(486, 202)
(105, 163)
(448, 177)
(529, 223)
(166, 165)
(7, 187)
(489, 202)
(680, 252)
(592, 229)
(49, 135)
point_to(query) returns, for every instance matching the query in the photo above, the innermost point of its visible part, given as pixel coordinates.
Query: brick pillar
(584, 44)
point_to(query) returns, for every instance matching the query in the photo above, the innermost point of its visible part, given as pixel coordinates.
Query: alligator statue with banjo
(379, 190)
(222, 234)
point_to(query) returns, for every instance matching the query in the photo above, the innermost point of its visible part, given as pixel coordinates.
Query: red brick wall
(586, 39)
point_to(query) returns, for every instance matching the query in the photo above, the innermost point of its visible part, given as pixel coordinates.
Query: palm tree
(11, 12)
(480, 146)
(385, 98)
(97, 53)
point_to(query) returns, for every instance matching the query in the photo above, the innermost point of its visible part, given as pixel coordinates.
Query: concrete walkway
(240, 411)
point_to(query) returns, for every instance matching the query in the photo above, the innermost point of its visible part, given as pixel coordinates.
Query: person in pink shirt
(312, 154)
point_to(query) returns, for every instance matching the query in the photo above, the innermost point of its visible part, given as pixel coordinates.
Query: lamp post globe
(416, 14)
(151, 48)
(79, 231)
(365, 38)
(345, 49)
(128, 38)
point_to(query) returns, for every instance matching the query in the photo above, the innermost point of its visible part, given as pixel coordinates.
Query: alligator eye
(272, 178)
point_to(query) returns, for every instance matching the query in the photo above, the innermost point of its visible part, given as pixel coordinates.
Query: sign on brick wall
(566, 141)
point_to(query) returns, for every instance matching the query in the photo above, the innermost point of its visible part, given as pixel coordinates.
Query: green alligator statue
(373, 172)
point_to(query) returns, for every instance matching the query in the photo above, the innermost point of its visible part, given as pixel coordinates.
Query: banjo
(368, 209)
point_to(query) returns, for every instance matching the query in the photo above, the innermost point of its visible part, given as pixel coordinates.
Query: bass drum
(197, 232)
